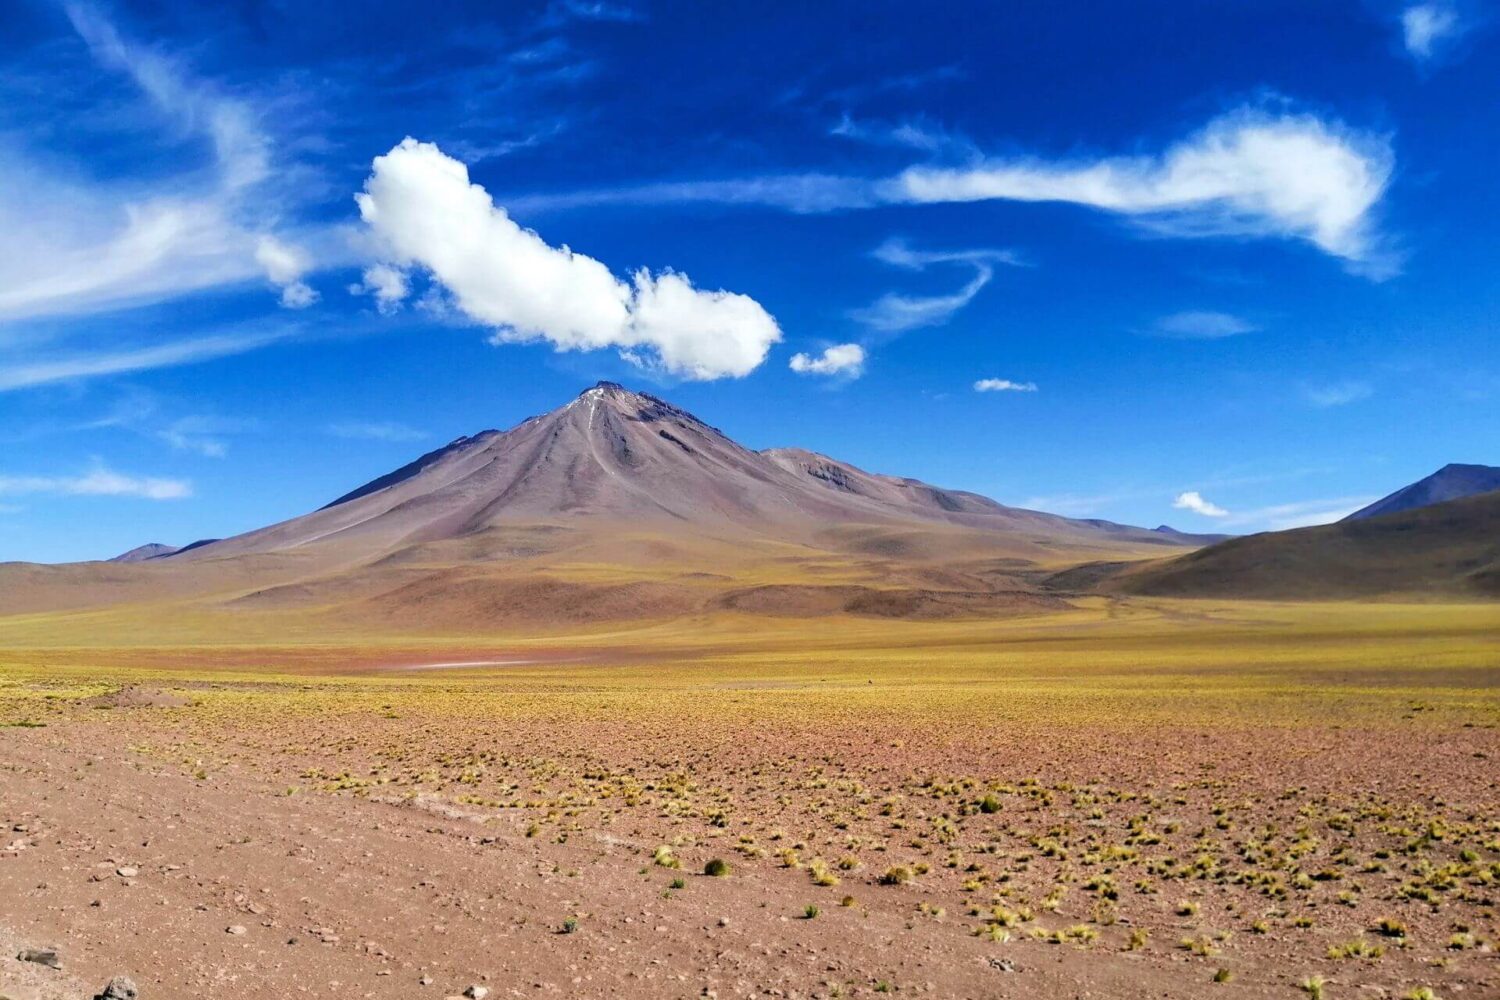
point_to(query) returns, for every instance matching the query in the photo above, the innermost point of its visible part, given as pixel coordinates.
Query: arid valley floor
(1132, 797)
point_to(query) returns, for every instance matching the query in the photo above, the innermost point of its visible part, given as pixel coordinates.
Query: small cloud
(101, 481)
(1193, 500)
(1003, 385)
(1337, 393)
(374, 431)
(847, 360)
(389, 285)
(1201, 325)
(284, 265)
(1424, 26)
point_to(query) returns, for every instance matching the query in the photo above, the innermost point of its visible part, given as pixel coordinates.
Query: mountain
(616, 456)
(1451, 482)
(151, 550)
(616, 506)
(1447, 549)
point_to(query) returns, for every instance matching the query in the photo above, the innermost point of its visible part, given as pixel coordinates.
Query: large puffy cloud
(424, 212)
(1246, 173)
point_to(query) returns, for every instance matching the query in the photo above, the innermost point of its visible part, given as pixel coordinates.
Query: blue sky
(1229, 266)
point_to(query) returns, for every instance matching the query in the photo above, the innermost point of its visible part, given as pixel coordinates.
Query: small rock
(41, 956)
(1002, 964)
(425, 981)
(477, 992)
(723, 921)
(127, 872)
(118, 988)
(236, 930)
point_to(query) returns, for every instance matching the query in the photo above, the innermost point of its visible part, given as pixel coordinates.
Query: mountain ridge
(1453, 481)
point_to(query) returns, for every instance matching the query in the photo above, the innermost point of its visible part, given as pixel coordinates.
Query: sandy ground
(216, 882)
(223, 887)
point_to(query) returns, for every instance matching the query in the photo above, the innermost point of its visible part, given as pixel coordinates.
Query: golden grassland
(1222, 781)
(1102, 662)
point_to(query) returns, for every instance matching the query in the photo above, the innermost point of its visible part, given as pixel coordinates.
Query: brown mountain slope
(1448, 549)
(615, 506)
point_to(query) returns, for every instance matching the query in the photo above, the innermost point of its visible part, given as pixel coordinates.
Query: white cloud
(1201, 325)
(1251, 172)
(1424, 25)
(1300, 514)
(1003, 385)
(361, 430)
(1192, 500)
(898, 253)
(28, 373)
(203, 434)
(388, 284)
(1248, 173)
(847, 360)
(1337, 393)
(285, 264)
(895, 313)
(101, 481)
(74, 246)
(423, 211)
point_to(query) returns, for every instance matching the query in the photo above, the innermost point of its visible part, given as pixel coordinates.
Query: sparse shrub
(1223, 976)
(810, 912)
(1313, 987)
(716, 868)
(821, 875)
(1138, 939)
(896, 875)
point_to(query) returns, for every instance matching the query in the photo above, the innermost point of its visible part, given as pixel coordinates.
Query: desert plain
(1117, 797)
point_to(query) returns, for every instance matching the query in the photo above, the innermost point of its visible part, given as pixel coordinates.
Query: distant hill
(1451, 482)
(1447, 549)
(151, 550)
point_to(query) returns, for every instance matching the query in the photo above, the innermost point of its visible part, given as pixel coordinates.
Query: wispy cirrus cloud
(1251, 173)
(895, 313)
(1337, 393)
(1201, 325)
(72, 245)
(20, 370)
(374, 430)
(1299, 514)
(101, 481)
